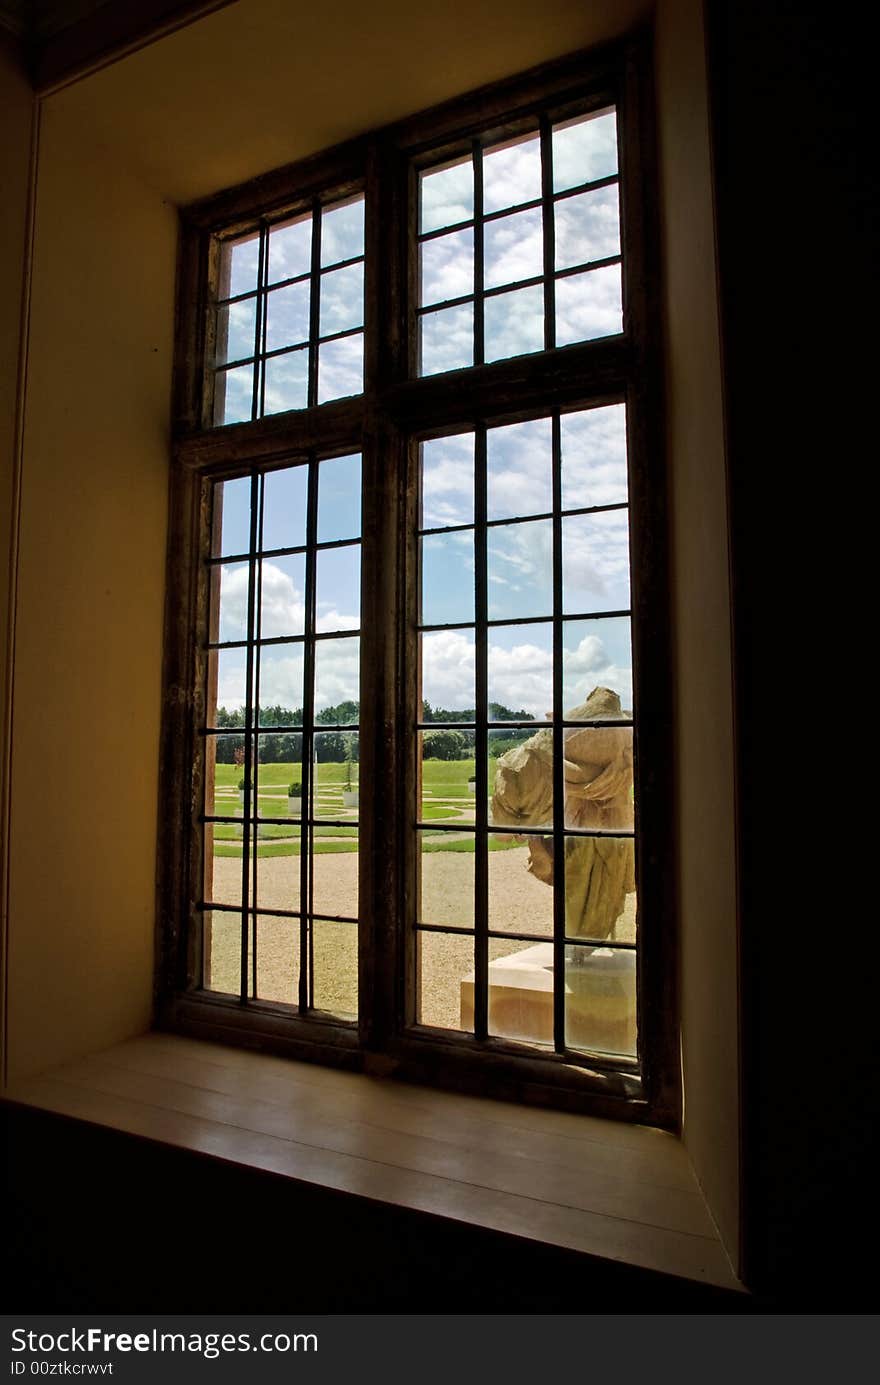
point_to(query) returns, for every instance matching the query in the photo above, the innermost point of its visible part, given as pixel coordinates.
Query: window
(417, 685)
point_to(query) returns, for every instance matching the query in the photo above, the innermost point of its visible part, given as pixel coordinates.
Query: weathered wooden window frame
(385, 423)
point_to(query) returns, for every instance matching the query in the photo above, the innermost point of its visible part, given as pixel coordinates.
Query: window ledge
(620, 1192)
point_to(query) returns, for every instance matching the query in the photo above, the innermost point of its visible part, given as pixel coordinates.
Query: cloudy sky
(519, 570)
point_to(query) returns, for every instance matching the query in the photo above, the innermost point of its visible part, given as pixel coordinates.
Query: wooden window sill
(621, 1192)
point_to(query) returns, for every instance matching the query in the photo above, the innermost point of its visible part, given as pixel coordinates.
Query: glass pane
(281, 684)
(448, 481)
(229, 666)
(279, 772)
(446, 196)
(520, 901)
(600, 1000)
(584, 150)
(446, 339)
(447, 785)
(224, 756)
(519, 475)
(278, 959)
(337, 677)
(335, 866)
(511, 174)
(341, 368)
(223, 842)
(339, 588)
(286, 382)
(336, 775)
(239, 262)
(521, 784)
(587, 227)
(520, 569)
(231, 612)
(342, 232)
(335, 949)
(447, 569)
(446, 878)
(234, 395)
(342, 299)
(339, 498)
(448, 660)
(521, 990)
(520, 672)
(599, 772)
(236, 328)
(588, 305)
(513, 248)
(221, 957)
(287, 316)
(514, 323)
(285, 498)
(595, 562)
(290, 249)
(597, 653)
(447, 266)
(282, 596)
(593, 447)
(445, 994)
(232, 517)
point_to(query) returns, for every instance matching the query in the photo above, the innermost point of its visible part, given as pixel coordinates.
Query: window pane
(239, 262)
(588, 305)
(223, 842)
(222, 754)
(342, 299)
(448, 674)
(335, 862)
(448, 481)
(234, 395)
(600, 999)
(337, 675)
(519, 900)
(278, 959)
(445, 981)
(236, 327)
(446, 196)
(447, 267)
(336, 793)
(587, 227)
(281, 683)
(519, 479)
(520, 672)
(232, 613)
(584, 150)
(520, 570)
(446, 339)
(282, 596)
(599, 777)
(595, 562)
(285, 496)
(511, 174)
(342, 232)
(339, 588)
(447, 566)
(280, 770)
(287, 382)
(521, 788)
(447, 785)
(287, 316)
(597, 653)
(232, 516)
(335, 949)
(446, 878)
(594, 457)
(229, 666)
(341, 368)
(514, 323)
(221, 944)
(513, 248)
(290, 249)
(521, 991)
(339, 498)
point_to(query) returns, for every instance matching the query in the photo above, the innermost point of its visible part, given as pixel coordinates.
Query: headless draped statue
(598, 777)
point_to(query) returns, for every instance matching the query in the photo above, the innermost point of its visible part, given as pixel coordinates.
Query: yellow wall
(244, 90)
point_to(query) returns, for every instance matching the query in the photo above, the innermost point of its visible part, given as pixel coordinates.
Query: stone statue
(598, 777)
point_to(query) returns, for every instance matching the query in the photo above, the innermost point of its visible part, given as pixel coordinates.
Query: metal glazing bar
(586, 266)
(549, 234)
(597, 183)
(558, 749)
(481, 753)
(516, 519)
(305, 872)
(256, 661)
(259, 331)
(314, 309)
(425, 309)
(479, 276)
(248, 739)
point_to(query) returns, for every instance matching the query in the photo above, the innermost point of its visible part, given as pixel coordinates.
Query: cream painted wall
(90, 607)
(706, 864)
